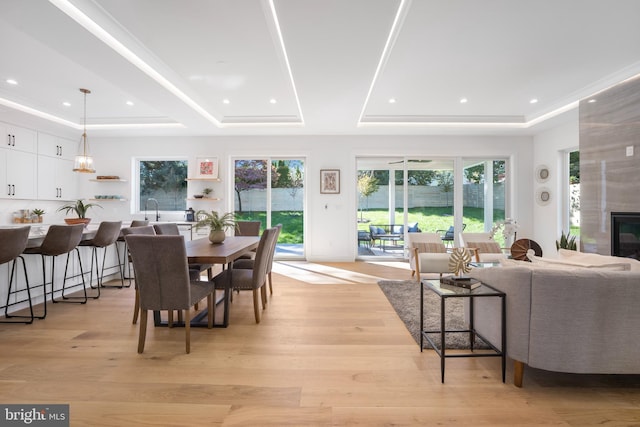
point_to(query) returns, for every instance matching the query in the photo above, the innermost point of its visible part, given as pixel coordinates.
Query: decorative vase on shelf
(217, 236)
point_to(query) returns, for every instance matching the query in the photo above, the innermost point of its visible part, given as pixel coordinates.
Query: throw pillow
(485, 247)
(427, 247)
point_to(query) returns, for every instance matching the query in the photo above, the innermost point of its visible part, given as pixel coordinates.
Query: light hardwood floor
(330, 351)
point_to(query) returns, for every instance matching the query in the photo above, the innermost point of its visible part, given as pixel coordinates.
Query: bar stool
(14, 241)
(60, 239)
(106, 235)
(134, 223)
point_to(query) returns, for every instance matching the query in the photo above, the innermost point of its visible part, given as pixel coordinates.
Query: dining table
(202, 251)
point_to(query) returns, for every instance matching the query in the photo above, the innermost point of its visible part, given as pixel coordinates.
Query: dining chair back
(247, 228)
(162, 276)
(245, 279)
(144, 230)
(171, 229)
(14, 242)
(59, 240)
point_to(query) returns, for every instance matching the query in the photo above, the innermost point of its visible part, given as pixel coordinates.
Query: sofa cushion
(597, 259)
(603, 264)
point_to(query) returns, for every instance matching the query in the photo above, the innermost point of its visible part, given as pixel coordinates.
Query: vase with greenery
(80, 209)
(217, 224)
(38, 213)
(567, 241)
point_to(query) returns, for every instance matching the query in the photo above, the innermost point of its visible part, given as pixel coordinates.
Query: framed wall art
(329, 181)
(207, 167)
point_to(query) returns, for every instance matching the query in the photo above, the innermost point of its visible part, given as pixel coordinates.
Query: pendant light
(84, 162)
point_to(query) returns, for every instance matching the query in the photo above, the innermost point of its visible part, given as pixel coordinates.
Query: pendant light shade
(83, 161)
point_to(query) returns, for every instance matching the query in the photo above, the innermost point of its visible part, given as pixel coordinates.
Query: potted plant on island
(38, 213)
(217, 224)
(80, 208)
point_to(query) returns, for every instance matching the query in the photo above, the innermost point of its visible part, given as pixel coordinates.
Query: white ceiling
(331, 65)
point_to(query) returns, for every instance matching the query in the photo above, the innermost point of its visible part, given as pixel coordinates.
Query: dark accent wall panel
(609, 177)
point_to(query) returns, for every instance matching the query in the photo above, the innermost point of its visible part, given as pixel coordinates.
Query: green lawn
(429, 220)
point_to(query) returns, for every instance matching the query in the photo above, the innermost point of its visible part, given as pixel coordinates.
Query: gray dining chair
(123, 262)
(247, 228)
(248, 263)
(243, 279)
(171, 229)
(162, 277)
(14, 242)
(144, 230)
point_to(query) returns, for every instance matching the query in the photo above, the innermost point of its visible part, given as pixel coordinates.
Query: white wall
(548, 148)
(331, 225)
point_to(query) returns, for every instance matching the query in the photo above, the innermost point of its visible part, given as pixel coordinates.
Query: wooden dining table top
(203, 251)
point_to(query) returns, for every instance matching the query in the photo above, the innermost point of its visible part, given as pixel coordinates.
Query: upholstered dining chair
(254, 279)
(106, 235)
(162, 276)
(248, 263)
(59, 240)
(144, 230)
(171, 229)
(248, 228)
(14, 242)
(124, 264)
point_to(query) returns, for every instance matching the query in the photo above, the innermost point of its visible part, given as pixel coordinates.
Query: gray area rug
(404, 296)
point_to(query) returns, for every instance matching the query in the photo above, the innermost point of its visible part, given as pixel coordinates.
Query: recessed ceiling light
(273, 100)
(533, 101)
(226, 101)
(463, 100)
(130, 103)
(66, 104)
(591, 101)
(392, 100)
(12, 82)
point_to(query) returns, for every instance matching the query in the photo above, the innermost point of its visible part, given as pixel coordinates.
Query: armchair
(485, 248)
(432, 256)
(448, 235)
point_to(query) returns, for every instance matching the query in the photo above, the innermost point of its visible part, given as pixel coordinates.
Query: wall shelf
(109, 200)
(107, 180)
(204, 199)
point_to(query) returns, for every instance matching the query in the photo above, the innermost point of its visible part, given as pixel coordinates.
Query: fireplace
(625, 234)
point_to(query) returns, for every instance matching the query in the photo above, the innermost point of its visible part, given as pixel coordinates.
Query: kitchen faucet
(145, 208)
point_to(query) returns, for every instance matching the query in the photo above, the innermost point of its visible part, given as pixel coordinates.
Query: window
(164, 182)
(574, 193)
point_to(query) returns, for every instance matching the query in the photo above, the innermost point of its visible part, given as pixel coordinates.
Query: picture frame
(329, 181)
(207, 167)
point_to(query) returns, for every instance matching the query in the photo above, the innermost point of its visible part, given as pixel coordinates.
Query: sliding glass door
(271, 190)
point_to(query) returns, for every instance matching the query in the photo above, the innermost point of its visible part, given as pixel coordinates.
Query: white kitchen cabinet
(20, 139)
(53, 146)
(56, 179)
(18, 174)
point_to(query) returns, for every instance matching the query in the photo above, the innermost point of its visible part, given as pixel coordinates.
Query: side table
(445, 292)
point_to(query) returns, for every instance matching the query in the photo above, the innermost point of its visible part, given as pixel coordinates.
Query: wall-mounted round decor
(543, 196)
(542, 173)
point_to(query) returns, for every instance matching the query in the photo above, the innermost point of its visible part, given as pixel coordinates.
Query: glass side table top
(450, 290)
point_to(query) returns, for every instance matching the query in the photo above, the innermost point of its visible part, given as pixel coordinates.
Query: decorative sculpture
(459, 261)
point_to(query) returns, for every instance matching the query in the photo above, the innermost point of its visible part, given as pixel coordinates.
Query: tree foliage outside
(475, 174)
(367, 185)
(165, 181)
(574, 167)
(445, 182)
(249, 175)
(287, 174)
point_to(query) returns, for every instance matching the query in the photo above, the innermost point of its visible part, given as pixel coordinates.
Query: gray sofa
(576, 314)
